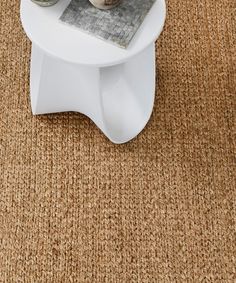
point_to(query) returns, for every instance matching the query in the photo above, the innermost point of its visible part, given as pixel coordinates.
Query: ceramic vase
(105, 4)
(45, 3)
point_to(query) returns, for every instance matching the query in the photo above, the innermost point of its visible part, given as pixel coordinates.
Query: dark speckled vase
(45, 3)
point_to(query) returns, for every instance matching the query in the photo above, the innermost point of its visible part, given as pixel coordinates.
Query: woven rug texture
(160, 209)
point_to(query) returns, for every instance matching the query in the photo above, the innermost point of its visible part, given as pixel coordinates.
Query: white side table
(73, 71)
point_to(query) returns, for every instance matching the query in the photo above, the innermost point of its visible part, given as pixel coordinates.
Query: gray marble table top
(117, 25)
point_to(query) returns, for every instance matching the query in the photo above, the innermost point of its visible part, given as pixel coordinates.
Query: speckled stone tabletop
(117, 25)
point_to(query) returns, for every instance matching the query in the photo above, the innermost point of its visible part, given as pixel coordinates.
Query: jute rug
(162, 208)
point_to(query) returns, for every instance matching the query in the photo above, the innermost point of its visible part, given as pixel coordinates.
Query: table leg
(119, 99)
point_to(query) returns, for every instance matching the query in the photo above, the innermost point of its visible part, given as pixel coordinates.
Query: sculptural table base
(119, 99)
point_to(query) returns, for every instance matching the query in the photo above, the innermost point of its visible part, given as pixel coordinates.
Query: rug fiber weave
(160, 209)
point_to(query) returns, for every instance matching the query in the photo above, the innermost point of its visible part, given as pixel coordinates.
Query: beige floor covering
(162, 208)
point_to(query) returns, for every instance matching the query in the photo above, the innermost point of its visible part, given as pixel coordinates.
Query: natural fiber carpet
(162, 208)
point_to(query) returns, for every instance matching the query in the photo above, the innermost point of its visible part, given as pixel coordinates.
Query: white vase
(105, 4)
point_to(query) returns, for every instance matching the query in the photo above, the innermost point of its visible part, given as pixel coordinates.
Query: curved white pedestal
(73, 71)
(119, 99)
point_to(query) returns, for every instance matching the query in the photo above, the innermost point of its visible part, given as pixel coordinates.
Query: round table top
(44, 29)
